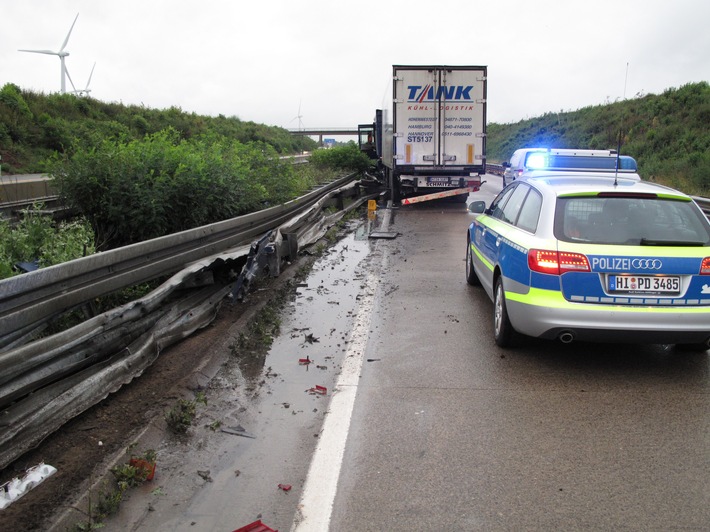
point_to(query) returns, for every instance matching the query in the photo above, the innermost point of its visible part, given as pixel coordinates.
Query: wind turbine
(298, 117)
(300, 125)
(61, 54)
(86, 90)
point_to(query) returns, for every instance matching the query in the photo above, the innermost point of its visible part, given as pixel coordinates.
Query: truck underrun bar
(438, 195)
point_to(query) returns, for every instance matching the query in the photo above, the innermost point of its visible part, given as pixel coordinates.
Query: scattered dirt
(85, 448)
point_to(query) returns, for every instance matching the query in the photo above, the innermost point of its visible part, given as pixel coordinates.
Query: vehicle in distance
(593, 258)
(528, 161)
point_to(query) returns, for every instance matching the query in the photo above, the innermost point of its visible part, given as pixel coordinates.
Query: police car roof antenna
(616, 170)
(618, 149)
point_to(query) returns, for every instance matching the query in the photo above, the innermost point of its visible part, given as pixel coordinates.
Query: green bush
(347, 157)
(37, 237)
(133, 190)
(180, 416)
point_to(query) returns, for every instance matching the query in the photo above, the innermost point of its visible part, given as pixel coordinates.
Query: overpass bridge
(321, 131)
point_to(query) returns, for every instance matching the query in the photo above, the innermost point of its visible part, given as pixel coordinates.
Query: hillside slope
(668, 134)
(33, 126)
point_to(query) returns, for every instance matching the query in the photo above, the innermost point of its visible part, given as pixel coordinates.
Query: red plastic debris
(145, 465)
(256, 526)
(304, 361)
(320, 390)
(285, 487)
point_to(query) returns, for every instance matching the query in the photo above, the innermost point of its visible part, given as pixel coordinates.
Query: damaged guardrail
(704, 204)
(47, 382)
(29, 300)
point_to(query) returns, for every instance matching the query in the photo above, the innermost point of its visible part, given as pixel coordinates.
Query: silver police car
(595, 257)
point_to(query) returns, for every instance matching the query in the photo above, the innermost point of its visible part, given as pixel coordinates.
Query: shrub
(346, 157)
(180, 416)
(37, 238)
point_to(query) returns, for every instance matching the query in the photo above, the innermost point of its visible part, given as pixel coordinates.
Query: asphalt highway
(450, 432)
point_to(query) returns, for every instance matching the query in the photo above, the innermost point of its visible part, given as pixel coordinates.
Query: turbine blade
(66, 71)
(68, 34)
(91, 74)
(48, 52)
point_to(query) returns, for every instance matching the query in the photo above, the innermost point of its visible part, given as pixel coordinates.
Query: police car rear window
(630, 221)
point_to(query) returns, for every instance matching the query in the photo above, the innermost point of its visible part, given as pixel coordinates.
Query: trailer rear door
(440, 116)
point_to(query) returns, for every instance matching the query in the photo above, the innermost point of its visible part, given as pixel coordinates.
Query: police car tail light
(705, 266)
(556, 262)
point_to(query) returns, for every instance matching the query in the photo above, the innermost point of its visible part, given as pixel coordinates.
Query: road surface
(429, 425)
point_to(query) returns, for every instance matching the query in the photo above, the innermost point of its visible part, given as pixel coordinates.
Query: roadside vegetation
(135, 173)
(107, 500)
(34, 126)
(37, 239)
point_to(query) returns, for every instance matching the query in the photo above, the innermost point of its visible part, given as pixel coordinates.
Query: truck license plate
(644, 284)
(438, 181)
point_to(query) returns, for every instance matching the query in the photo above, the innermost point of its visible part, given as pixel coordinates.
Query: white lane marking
(316, 504)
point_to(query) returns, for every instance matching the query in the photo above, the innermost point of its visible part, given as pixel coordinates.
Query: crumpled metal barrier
(27, 301)
(44, 411)
(47, 382)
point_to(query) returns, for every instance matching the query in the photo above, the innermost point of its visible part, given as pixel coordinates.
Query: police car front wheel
(471, 277)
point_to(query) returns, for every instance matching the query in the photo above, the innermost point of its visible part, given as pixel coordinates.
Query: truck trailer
(431, 141)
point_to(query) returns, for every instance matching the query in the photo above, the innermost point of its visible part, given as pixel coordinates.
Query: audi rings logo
(611, 264)
(646, 264)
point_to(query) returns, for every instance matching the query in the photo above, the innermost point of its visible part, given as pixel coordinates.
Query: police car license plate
(438, 181)
(649, 284)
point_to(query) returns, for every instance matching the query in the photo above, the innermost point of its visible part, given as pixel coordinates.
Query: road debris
(13, 489)
(238, 431)
(256, 526)
(311, 339)
(318, 390)
(304, 361)
(384, 234)
(285, 487)
(205, 475)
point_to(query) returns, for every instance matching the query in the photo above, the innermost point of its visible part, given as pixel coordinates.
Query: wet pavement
(260, 427)
(451, 432)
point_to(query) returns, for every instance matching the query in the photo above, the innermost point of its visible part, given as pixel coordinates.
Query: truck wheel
(471, 277)
(460, 198)
(502, 329)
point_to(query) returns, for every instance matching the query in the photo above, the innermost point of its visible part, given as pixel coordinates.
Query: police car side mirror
(477, 207)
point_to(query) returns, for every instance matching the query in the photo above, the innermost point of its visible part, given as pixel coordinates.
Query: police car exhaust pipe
(566, 337)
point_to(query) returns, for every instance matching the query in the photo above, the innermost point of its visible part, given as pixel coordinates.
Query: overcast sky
(262, 60)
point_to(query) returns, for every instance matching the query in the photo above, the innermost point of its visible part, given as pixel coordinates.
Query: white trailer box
(438, 139)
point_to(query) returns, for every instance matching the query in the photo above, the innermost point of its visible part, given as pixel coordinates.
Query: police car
(597, 257)
(529, 161)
